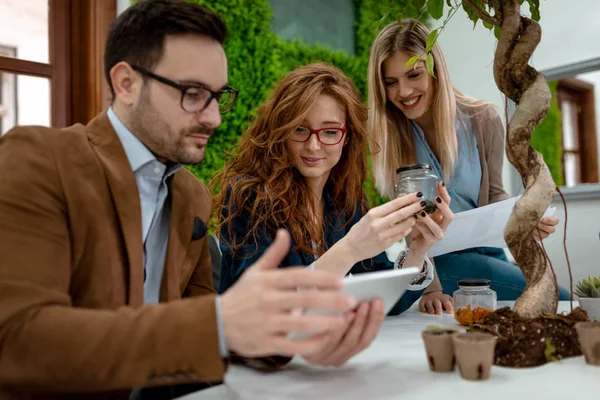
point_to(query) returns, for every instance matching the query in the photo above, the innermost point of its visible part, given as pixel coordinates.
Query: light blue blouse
(465, 183)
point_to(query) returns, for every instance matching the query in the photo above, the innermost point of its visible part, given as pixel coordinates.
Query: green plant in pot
(588, 291)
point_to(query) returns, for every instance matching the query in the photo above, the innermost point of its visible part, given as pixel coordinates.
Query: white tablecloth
(394, 367)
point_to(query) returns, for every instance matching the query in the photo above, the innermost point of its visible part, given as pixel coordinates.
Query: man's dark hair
(137, 36)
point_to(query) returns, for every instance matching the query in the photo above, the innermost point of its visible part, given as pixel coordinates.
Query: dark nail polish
(420, 194)
(438, 199)
(423, 214)
(423, 203)
(443, 184)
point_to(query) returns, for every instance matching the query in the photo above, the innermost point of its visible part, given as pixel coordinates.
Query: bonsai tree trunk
(519, 36)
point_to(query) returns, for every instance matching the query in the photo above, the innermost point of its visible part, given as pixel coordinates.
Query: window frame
(77, 32)
(7, 51)
(581, 94)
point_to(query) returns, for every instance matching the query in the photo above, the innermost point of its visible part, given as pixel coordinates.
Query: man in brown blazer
(105, 276)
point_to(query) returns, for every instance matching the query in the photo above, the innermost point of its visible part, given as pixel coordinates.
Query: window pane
(572, 171)
(24, 100)
(24, 30)
(570, 128)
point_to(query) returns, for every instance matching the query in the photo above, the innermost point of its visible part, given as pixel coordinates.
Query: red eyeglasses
(326, 136)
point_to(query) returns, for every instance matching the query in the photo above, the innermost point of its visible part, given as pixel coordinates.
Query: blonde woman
(418, 118)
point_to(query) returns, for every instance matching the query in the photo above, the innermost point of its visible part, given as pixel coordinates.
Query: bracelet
(421, 276)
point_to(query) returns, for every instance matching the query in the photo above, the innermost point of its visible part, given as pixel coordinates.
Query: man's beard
(160, 139)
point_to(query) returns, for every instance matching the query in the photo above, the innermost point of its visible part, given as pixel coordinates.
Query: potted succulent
(588, 291)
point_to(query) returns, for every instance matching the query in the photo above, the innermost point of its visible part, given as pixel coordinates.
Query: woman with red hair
(301, 166)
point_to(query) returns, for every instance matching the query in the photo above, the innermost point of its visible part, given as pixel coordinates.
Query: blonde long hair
(392, 144)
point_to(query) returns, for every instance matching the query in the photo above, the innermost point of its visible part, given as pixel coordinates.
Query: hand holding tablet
(389, 286)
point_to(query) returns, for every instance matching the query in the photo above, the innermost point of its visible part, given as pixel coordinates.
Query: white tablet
(389, 286)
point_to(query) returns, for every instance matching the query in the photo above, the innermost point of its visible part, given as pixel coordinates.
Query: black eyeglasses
(195, 98)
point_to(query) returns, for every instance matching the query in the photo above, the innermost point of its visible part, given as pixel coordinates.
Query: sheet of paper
(480, 227)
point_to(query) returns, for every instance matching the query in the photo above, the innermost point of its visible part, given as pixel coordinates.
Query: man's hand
(354, 336)
(256, 310)
(436, 303)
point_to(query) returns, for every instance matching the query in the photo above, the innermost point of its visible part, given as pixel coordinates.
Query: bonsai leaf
(497, 32)
(430, 64)
(435, 8)
(418, 4)
(434, 328)
(431, 39)
(470, 13)
(398, 18)
(549, 351)
(534, 7)
(412, 60)
(410, 9)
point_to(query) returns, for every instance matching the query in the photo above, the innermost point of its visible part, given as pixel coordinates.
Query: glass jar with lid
(473, 301)
(416, 178)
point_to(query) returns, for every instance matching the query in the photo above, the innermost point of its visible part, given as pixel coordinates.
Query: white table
(394, 366)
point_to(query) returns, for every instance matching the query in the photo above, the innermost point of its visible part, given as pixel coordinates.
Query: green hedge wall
(258, 58)
(547, 138)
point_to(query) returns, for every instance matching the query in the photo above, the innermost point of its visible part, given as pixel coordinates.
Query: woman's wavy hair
(260, 179)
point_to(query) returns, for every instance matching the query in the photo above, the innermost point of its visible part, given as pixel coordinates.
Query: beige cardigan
(489, 133)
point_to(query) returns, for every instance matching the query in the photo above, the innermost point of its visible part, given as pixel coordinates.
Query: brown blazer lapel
(180, 235)
(123, 187)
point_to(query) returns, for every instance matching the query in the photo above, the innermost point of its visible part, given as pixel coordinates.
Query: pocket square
(200, 229)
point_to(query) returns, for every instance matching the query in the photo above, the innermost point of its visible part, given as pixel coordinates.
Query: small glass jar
(473, 301)
(417, 178)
